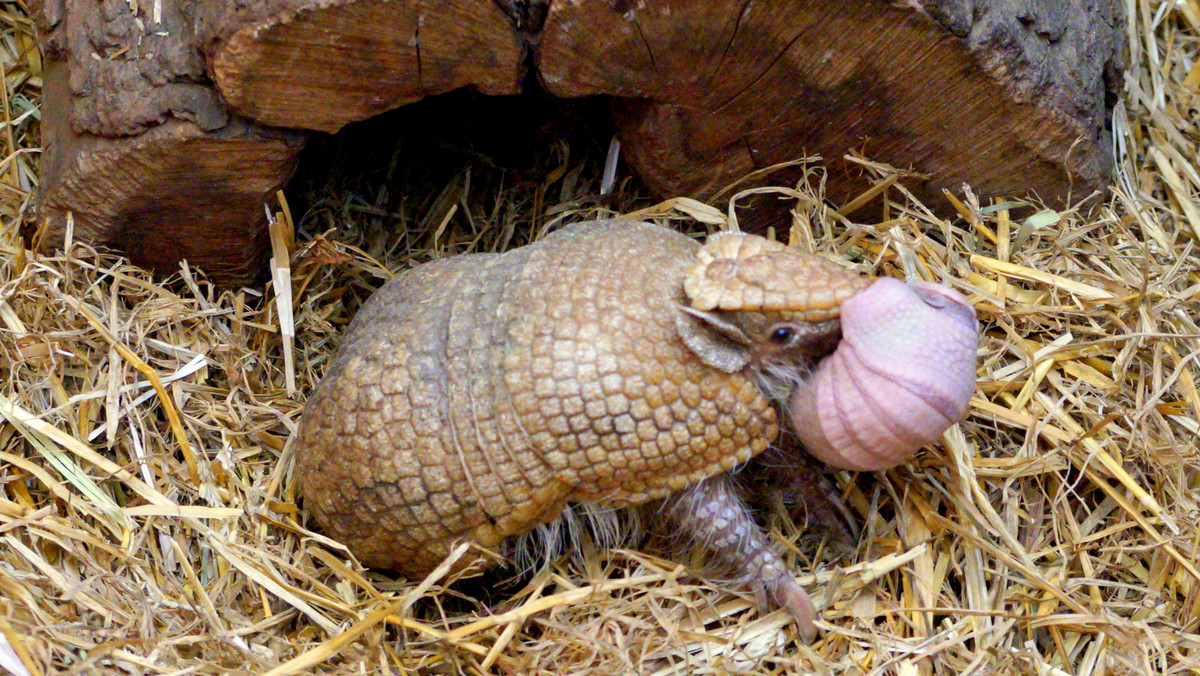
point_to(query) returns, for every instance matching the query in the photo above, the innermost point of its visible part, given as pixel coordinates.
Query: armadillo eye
(783, 335)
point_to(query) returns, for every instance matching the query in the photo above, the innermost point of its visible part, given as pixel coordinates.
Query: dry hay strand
(148, 523)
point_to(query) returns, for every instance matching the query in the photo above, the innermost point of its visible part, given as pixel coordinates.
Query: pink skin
(903, 373)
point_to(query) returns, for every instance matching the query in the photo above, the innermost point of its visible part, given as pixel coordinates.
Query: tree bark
(140, 151)
(1007, 95)
(1010, 96)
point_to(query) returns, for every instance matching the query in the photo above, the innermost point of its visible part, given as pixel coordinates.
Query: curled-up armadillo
(610, 364)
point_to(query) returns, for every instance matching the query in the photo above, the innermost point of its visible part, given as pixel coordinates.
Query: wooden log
(139, 149)
(1006, 95)
(319, 64)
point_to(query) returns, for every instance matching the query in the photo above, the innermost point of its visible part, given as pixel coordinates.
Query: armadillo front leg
(712, 517)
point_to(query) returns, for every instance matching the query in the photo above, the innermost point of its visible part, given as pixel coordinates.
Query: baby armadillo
(609, 364)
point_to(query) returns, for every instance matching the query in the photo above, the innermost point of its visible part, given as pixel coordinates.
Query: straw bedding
(148, 523)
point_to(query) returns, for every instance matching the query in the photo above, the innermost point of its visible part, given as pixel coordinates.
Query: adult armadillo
(611, 363)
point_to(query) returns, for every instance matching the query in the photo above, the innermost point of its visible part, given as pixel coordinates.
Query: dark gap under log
(502, 162)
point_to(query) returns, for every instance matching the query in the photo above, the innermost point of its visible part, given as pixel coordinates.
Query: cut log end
(141, 154)
(709, 92)
(324, 64)
(174, 193)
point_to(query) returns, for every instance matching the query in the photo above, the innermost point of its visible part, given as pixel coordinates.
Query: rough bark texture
(139, 148)
(1007, 95)
(318, 64)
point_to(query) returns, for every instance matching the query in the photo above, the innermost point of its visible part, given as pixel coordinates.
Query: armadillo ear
(718, 342)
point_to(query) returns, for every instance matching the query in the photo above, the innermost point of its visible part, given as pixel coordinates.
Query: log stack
(165, 133)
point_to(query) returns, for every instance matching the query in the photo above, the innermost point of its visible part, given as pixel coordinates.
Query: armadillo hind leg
(786, 474)
(712, 517)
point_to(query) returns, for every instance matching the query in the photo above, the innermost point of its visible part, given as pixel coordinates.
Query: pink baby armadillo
(615, 364)
(903, 372)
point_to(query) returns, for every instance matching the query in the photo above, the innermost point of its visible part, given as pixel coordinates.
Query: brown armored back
(475, 397)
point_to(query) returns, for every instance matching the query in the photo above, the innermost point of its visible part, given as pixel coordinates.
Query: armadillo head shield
(752, 298)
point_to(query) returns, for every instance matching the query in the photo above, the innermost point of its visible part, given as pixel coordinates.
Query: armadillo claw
(785, 593)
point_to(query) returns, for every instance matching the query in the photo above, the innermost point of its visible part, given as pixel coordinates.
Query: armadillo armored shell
(474, 397)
